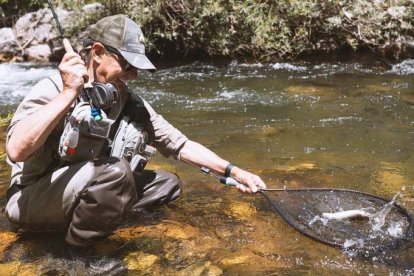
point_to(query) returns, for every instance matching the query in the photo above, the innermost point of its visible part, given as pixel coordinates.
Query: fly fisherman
(80, 139)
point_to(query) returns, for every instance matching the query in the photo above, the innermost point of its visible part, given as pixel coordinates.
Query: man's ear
(97, 51)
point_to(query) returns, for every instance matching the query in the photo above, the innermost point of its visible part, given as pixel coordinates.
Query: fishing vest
(124, 136)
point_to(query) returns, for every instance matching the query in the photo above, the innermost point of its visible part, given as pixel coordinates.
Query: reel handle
(228, 181)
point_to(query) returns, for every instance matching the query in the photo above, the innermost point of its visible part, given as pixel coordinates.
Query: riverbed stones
(6, 238)
(246, 260)
(202, 269)
(141, 262)
(241, 210)
(168, 228)
(176, 230)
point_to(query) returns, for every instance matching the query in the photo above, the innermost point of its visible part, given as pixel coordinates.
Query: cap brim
(139, 61)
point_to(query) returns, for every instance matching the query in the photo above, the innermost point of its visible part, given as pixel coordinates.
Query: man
(88, 199)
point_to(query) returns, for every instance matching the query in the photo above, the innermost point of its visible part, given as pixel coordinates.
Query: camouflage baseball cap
(123, 34)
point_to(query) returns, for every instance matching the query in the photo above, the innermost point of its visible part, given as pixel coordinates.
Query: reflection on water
(340, 125)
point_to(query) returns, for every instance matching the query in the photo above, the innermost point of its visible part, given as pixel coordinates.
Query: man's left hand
(249, 183)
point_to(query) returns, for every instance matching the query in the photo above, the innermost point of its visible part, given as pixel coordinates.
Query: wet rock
(236, 260)
(36, 28)
(223, 232)
(246, 261)
(182, 252)
(9, 268)
(270, 131)
(6, 238)
(129, 233)
(177, 230)
(17, 268)
(27, 270)
(8, 44)
(107, 247)
(106, 266)
(39, 53)
(202, 269)
(241, 210)
(142, 262)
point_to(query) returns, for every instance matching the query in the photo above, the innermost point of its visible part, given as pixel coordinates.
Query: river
(339, 124)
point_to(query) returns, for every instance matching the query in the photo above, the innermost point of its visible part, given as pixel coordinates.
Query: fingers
(251, 183)
(73, 71)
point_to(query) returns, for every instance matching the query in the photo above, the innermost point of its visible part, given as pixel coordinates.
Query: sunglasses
(127, 67)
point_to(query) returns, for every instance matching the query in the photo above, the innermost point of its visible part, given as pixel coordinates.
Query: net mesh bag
(317, 214)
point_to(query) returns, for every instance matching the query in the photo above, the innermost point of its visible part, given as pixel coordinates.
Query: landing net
(387, 225)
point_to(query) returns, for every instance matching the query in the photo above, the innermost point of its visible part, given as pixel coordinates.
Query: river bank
(241, 30)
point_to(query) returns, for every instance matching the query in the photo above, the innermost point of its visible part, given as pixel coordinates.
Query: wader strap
(11, 191)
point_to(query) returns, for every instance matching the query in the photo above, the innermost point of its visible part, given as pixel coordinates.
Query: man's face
(113, 66)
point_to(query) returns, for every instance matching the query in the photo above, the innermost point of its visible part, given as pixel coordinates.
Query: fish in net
(344, 218)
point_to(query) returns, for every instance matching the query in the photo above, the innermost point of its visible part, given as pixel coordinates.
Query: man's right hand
(73, 72)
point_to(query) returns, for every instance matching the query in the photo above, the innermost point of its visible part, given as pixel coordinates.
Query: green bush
(266, 30)
(273, 30)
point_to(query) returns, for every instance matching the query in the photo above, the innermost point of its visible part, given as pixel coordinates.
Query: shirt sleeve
(167, 139)
(39, 95)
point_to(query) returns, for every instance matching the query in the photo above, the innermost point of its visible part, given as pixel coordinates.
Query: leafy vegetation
(5, 121)
(265, 30)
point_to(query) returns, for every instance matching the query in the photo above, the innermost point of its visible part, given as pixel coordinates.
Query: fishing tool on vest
(131, 143)
(72, 140)
(354, 221)
(99, 95)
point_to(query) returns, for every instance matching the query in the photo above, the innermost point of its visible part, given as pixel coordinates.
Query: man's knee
(113, 170)
(156, 188)
(104, 204)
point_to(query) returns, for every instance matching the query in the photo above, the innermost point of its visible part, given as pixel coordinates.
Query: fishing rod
(227, 181)
(99, 95)
(66, 43)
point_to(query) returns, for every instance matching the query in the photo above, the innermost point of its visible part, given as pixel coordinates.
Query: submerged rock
(6, 238)
(201, 269)
(176, 230)
(142, 262)
(241, 210)
(18, 268)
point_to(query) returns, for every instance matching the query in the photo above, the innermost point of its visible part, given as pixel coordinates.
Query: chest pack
(84, 138)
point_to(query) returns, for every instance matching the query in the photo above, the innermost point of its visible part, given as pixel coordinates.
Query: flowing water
(306, 124)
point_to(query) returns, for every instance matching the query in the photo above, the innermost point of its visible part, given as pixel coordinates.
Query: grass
(5, 121)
